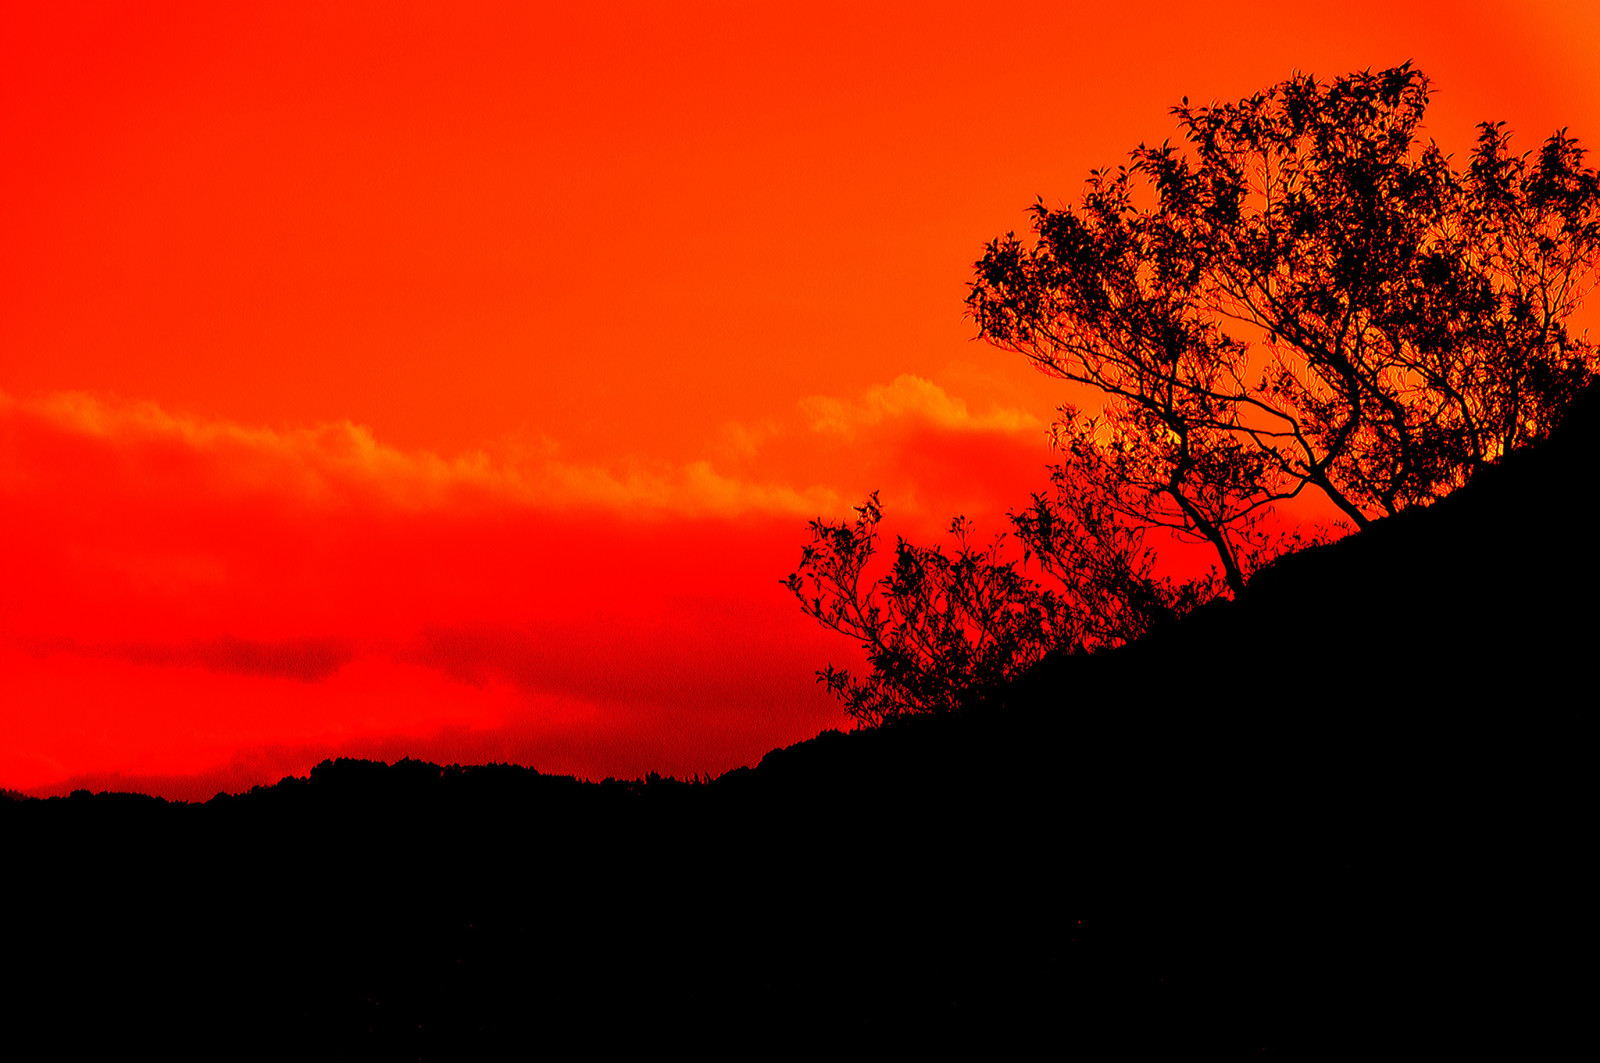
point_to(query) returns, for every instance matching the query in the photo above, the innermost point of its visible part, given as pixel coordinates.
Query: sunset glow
(457, 381)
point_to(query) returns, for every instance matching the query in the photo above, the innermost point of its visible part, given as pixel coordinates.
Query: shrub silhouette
(941, 631)
(937, 629)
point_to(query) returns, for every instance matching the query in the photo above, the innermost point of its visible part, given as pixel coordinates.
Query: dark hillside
(1345, 811)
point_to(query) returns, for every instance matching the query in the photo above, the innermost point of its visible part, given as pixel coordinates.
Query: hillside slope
(1344, 811)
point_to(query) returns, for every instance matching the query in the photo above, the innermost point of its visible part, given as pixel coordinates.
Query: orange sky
(456, 380)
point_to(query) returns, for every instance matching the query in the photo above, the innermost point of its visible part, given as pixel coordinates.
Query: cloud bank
(181, 594)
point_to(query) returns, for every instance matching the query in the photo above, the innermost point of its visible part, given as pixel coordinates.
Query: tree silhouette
(1307, 297)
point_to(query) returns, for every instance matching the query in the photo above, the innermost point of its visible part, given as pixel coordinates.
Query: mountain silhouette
(1343, 812)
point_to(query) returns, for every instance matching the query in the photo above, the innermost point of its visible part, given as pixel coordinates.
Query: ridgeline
(1345, 812)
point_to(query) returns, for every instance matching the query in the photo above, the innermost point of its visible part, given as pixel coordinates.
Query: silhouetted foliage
(1308, 295)
(1100, 557)
(937, 629)
(941, 631)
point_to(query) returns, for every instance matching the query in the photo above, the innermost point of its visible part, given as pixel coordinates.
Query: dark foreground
(1350, 812)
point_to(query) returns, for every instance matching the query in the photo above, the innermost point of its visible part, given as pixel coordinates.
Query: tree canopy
(1305, 294)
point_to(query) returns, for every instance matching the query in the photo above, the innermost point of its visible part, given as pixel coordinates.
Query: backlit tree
(1305, 294)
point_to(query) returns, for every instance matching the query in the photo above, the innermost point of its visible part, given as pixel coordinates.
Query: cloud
(178, 591)
(69, 713)
(342, 464)
(700, 687)
(304, 659)
(816, 462)
(910, 399)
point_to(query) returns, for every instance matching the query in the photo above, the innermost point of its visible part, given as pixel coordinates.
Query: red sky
(457, 380)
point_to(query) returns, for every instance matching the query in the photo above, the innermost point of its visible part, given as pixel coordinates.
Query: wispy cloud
(910, 399)
(343, 463)
(305, 659)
